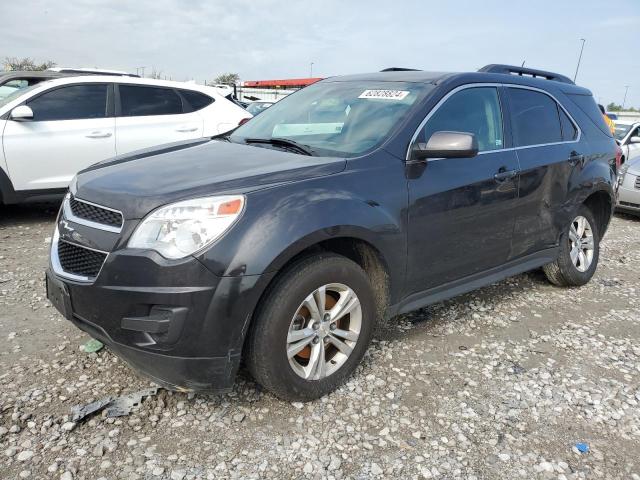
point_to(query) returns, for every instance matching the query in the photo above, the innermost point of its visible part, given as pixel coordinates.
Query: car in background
(629, 187)
(15, 80)
(10, 82)
(628, 137)
(611, 115)
(54, 128)
(254, 108)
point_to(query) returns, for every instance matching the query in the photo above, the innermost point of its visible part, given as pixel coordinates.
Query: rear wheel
(579, 252)
(312, 329)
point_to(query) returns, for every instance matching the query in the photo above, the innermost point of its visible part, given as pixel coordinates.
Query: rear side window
(588, 105)
(196, 100)
(535, 118)
(569, 131)
(473, 110)
(138, 101)
(74, 102)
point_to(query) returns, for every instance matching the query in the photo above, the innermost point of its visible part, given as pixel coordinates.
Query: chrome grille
(638, 182)
(95, 213)
(79, 260)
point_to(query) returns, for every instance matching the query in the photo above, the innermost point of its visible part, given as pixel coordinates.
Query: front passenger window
(473, 110)
(74, 102)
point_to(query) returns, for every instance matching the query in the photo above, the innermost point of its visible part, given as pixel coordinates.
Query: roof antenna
(523, 63)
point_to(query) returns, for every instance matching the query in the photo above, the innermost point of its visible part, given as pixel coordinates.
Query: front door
(70, 130)
(460, 209)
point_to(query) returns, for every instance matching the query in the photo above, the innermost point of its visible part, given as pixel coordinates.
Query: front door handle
(504, 175)
(575, 158)
(99, 135)
(186, 129)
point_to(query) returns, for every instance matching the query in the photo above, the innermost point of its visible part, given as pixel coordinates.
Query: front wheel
(579, 252)
(312, 329)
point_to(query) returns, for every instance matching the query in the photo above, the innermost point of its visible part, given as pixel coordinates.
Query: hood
(138, 183)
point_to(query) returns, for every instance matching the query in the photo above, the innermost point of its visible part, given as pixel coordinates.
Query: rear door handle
(575, 158)
(99, 135)
(504, 175)
(186, 129)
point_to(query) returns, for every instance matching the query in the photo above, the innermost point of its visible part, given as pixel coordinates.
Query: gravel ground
(501, 383)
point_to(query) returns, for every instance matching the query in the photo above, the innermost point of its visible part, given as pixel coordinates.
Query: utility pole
(311, 71)
(626, 89)
(579, 59)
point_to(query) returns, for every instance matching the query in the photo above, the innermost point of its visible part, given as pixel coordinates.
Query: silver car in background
(629, 187)
(628, 137)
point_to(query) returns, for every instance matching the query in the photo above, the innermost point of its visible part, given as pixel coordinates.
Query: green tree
(227, 79)
(26, 63)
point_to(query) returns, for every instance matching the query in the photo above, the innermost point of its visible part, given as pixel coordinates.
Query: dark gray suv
(343, 205)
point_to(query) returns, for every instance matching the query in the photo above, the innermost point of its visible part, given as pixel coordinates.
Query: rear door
(546, 141)
(72, 128)
(147, 116)
(461, 214)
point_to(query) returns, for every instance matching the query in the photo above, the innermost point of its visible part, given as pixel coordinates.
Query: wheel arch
(601, 205)
(352, 246)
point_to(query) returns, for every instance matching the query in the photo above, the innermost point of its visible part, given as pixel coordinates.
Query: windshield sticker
(384, 94)
(296, 129)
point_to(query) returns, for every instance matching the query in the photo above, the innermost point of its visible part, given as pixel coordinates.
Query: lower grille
(80, 261)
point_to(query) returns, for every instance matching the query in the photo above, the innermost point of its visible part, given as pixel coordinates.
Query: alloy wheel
(581, 242)
(324, 331)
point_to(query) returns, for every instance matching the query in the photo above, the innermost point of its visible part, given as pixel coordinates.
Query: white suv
(53, 129)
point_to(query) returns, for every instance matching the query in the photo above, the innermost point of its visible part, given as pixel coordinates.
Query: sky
(265, 39)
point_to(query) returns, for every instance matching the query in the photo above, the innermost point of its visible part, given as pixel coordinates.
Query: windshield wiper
(283, 142)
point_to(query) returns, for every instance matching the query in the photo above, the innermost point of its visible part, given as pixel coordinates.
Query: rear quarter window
(587, 104)
(196, 100)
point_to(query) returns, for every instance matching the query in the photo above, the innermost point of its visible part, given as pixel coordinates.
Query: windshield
(622, 130)
(336, 118)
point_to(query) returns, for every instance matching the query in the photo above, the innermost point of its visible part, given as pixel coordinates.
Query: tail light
(618, 157)
(245, 120)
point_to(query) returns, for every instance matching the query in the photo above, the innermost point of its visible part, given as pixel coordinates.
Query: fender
(276, 227)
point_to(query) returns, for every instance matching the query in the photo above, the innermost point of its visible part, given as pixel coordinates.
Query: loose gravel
(510, 381)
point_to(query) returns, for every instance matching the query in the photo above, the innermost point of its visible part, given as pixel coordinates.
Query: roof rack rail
(523, 71)
(400, 69)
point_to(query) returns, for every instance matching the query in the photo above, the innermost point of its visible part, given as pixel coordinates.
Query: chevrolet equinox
(286, 242)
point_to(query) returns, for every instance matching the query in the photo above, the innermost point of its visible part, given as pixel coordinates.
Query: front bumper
(174, 322)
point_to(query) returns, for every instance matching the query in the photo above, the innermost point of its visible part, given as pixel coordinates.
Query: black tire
(266, 355)
(563, 272)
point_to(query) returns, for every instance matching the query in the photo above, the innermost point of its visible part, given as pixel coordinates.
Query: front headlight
(621, 173)
(183, 228)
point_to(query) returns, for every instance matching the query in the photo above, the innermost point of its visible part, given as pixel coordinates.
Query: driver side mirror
(21, 113)
(634, 139)
(447, 145)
